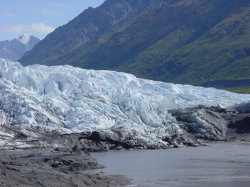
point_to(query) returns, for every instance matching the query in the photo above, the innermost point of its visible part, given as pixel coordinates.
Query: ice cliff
(68, 99)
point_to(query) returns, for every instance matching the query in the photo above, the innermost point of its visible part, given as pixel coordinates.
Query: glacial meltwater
(215, 165)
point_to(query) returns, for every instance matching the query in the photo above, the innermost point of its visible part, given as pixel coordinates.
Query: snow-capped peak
(25, 39)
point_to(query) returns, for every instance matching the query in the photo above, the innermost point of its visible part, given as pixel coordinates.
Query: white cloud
(39, 28)
(48, 12)
(10, 15)
(13, 28)
(62, 5)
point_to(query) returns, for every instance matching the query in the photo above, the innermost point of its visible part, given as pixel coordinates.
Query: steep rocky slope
(200, 42)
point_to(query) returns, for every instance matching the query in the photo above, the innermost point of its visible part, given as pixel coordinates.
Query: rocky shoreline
(30, 157)
(53, 169)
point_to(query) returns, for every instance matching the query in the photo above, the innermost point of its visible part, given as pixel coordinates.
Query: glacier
(67, 99)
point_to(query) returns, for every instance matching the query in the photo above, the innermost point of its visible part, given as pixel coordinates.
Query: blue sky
(38, 17)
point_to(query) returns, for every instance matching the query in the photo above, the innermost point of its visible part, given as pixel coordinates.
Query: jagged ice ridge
(68, 99)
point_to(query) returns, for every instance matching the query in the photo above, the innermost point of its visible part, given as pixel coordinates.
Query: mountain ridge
(15, 48)
(186, 41)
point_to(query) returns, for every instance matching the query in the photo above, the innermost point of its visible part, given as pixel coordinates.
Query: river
(215, 165)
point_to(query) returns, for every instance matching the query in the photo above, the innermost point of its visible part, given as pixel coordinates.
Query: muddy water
(220, 165)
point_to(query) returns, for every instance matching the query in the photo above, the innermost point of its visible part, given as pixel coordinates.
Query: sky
(38, 17)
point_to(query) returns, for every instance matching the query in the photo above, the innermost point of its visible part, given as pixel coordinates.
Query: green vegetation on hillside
(199, 42)
(245, 90)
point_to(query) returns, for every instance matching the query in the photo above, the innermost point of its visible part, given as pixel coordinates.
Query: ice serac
(68, 99)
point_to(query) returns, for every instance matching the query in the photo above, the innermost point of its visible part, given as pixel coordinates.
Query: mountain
(199, 42)
(15, 49)
(65, 99)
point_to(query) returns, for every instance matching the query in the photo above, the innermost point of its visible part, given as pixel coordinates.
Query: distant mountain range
(15, 49)
(199, 42)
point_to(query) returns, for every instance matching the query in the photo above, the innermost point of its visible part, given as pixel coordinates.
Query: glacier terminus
(67, 99)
